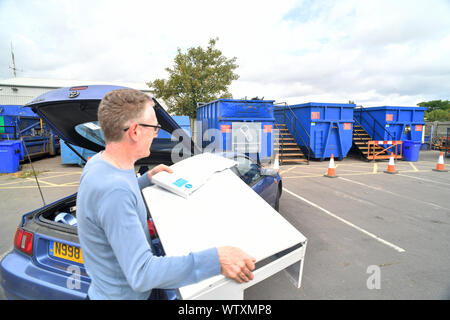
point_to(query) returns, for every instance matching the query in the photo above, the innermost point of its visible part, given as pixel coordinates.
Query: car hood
(66, 108)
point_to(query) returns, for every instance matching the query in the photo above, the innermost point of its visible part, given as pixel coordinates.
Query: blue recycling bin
(9, 156)
(411, 150)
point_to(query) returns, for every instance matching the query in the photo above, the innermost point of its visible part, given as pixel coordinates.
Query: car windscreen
(91, 131)
(248, 170)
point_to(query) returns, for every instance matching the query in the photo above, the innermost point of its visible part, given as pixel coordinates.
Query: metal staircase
(368, 148)
(361, 141)
(288, 150)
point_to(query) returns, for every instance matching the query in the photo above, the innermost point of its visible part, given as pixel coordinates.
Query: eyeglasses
(156, 128)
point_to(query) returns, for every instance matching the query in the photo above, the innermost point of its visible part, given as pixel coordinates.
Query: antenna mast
(13, 62)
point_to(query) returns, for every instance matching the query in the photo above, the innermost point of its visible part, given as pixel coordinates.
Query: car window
(249, 171)
(91, 131)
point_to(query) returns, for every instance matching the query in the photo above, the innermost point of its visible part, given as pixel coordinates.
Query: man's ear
(132, 132)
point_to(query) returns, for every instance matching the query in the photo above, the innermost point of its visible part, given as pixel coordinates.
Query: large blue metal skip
(325, 129)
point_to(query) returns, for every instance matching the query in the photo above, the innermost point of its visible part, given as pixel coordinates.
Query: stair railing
(361, 137)
(294, 118)
(373, 125)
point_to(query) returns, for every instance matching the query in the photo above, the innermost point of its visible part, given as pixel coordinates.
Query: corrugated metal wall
(15, 95)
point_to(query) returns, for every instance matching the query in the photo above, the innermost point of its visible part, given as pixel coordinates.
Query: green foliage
(438, 115)
(198, 75)
(438, 110)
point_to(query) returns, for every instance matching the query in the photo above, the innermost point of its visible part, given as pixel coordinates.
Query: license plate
(65, 251)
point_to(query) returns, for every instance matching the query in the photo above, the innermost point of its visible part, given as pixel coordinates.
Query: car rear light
(78, 88)
(225, 128)
(151, 228)
(23, 241)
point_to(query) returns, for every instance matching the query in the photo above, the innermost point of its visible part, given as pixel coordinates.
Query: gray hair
(117, 108)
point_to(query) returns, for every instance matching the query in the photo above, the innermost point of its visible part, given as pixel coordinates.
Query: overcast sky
(375, 53)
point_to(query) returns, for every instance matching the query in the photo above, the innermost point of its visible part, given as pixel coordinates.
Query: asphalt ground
(371, 235)
(366, 224)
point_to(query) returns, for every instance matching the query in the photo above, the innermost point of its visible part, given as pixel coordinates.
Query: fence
(435, 131)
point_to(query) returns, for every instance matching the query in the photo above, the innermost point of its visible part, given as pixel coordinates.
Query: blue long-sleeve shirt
(115, 240)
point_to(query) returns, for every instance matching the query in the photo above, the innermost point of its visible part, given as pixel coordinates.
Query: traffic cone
(276, 164)
(391, 166)
(331, 172)
(440, 164)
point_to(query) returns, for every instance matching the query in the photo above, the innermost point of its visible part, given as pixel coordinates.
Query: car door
(250, 173)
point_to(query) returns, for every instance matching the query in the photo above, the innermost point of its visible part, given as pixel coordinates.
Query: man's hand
(157, 169)
(236, 264)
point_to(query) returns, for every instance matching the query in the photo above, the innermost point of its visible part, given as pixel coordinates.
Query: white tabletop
(223, 212)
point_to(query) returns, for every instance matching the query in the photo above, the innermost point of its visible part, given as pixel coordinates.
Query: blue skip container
(163, 142)
(322, 128)
(9, 156)
(243, 126)
(411, 150)
(392, 123)
(70, 157)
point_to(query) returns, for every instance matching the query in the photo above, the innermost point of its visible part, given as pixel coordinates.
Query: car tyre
(277, 201)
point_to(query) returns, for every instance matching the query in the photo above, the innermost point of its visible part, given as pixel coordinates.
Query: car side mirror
(272, 172)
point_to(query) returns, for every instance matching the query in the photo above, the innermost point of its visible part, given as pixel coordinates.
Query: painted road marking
(282, 172)
(32, 187)
(414, 167)
(21, 180)
(393, 193)
(43, 181)
(438, 182)
(357, 173)
(5, 184)
(387, 243)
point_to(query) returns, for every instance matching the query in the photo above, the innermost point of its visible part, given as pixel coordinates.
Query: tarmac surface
(371, 235)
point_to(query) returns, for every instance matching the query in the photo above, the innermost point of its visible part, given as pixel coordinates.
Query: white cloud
(390, 52)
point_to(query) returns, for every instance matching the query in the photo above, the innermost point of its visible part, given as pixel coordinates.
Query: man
(112, 216)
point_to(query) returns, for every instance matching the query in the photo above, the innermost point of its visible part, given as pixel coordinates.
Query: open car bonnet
(72, 114)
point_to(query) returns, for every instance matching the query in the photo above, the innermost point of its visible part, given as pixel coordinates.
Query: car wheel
(277, 201)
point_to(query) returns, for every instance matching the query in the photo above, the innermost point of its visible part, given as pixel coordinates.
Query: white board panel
(223, 212)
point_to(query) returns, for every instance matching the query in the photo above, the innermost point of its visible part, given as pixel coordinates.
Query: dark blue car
(46, 261)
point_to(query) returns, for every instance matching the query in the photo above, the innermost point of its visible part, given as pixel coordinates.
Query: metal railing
(294, 126)
(372, 125)
(382, 153)
(7, 137)
(361, 137)
(395, 149)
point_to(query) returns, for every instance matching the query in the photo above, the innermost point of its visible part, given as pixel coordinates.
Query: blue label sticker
(180, 182)
(188, 186)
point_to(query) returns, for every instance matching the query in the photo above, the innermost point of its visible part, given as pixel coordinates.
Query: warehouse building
(20, 91)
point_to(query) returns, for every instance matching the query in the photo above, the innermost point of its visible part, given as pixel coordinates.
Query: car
(46, 261)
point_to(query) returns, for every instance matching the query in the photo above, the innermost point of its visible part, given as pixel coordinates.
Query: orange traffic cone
(440, 164)
(276, 164)
(391, 166)
(331, 172)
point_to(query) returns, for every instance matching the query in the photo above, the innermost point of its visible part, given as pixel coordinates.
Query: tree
(437, 115)
(197, 76)
(438, 110)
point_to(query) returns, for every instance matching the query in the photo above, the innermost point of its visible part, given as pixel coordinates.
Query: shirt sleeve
(143, 270)
(144, 181)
